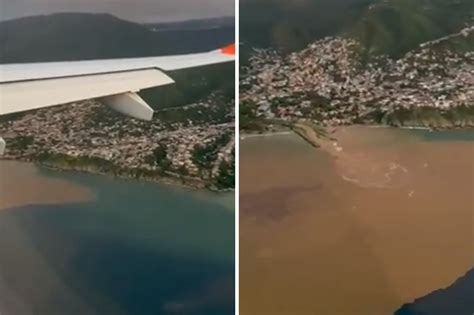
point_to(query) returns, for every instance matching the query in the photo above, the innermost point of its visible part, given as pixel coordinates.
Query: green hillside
(290, 25)
(397, 26)
(193, 85)
(384, 26)
(459, 43)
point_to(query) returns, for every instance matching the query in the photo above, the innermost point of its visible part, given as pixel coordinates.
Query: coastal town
(335, 82)
(191, 145)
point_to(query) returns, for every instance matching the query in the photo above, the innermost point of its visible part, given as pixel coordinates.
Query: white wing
(36, 85)
(116, 81)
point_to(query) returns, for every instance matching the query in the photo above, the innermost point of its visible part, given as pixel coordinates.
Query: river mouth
(357, 231)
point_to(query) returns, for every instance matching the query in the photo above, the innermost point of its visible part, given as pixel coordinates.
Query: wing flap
(130, 104)
(34, 94)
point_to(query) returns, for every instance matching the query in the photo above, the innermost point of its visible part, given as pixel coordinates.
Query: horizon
(140, 11)
(121, 18)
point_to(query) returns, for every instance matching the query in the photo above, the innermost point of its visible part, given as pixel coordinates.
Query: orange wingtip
(229, 50)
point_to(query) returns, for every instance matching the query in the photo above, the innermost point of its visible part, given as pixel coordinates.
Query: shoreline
(181, 182)
(265, 134)
(313, 138)
(305, 132)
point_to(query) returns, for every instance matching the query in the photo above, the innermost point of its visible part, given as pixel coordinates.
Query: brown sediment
(272, 204)
(352, 248)
(21, 185)
(362, 156)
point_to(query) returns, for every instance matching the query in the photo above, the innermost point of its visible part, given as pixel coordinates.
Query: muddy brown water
(358, 227)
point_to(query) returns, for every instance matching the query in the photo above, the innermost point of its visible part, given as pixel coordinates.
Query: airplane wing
(115, 82)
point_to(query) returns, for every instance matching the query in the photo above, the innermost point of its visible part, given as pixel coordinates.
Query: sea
(74, 243)
(378, 222)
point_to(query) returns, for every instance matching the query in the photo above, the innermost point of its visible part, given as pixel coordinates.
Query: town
(335, 82)
(191, 145)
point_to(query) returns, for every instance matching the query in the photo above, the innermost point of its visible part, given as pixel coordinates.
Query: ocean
(75, 243)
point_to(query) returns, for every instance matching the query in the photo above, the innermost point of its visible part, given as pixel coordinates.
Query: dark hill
(72, 37)
(77, 36)
(195, 40)
(458, 299)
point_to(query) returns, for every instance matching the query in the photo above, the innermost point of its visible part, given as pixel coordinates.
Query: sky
(132, 10)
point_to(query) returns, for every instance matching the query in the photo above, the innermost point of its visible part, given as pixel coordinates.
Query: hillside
(78, 36)
(383, 26)
(397, 26)
(291, 25)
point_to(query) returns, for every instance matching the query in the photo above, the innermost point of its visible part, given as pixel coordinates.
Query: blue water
(447, 135)
(139, 248)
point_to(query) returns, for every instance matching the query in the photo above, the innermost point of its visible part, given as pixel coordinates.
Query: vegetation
(205, 154)
(160, 158)
(79, 162)
(21, 142)
(226, 178)
(248, 118)
(461, 116)
(290, 25)
(395, 27)
(459, 43)
(192, 85)
(216, 109)
(383, 26)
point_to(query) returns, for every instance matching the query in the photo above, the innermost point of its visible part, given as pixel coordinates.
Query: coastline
(317, 139)
(308, 134)
(127, 174)
(265, 134)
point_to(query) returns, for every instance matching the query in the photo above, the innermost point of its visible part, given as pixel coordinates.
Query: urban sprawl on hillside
(192, 145)
(334, 82)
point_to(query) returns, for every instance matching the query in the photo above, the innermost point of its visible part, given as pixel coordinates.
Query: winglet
(228, 50)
